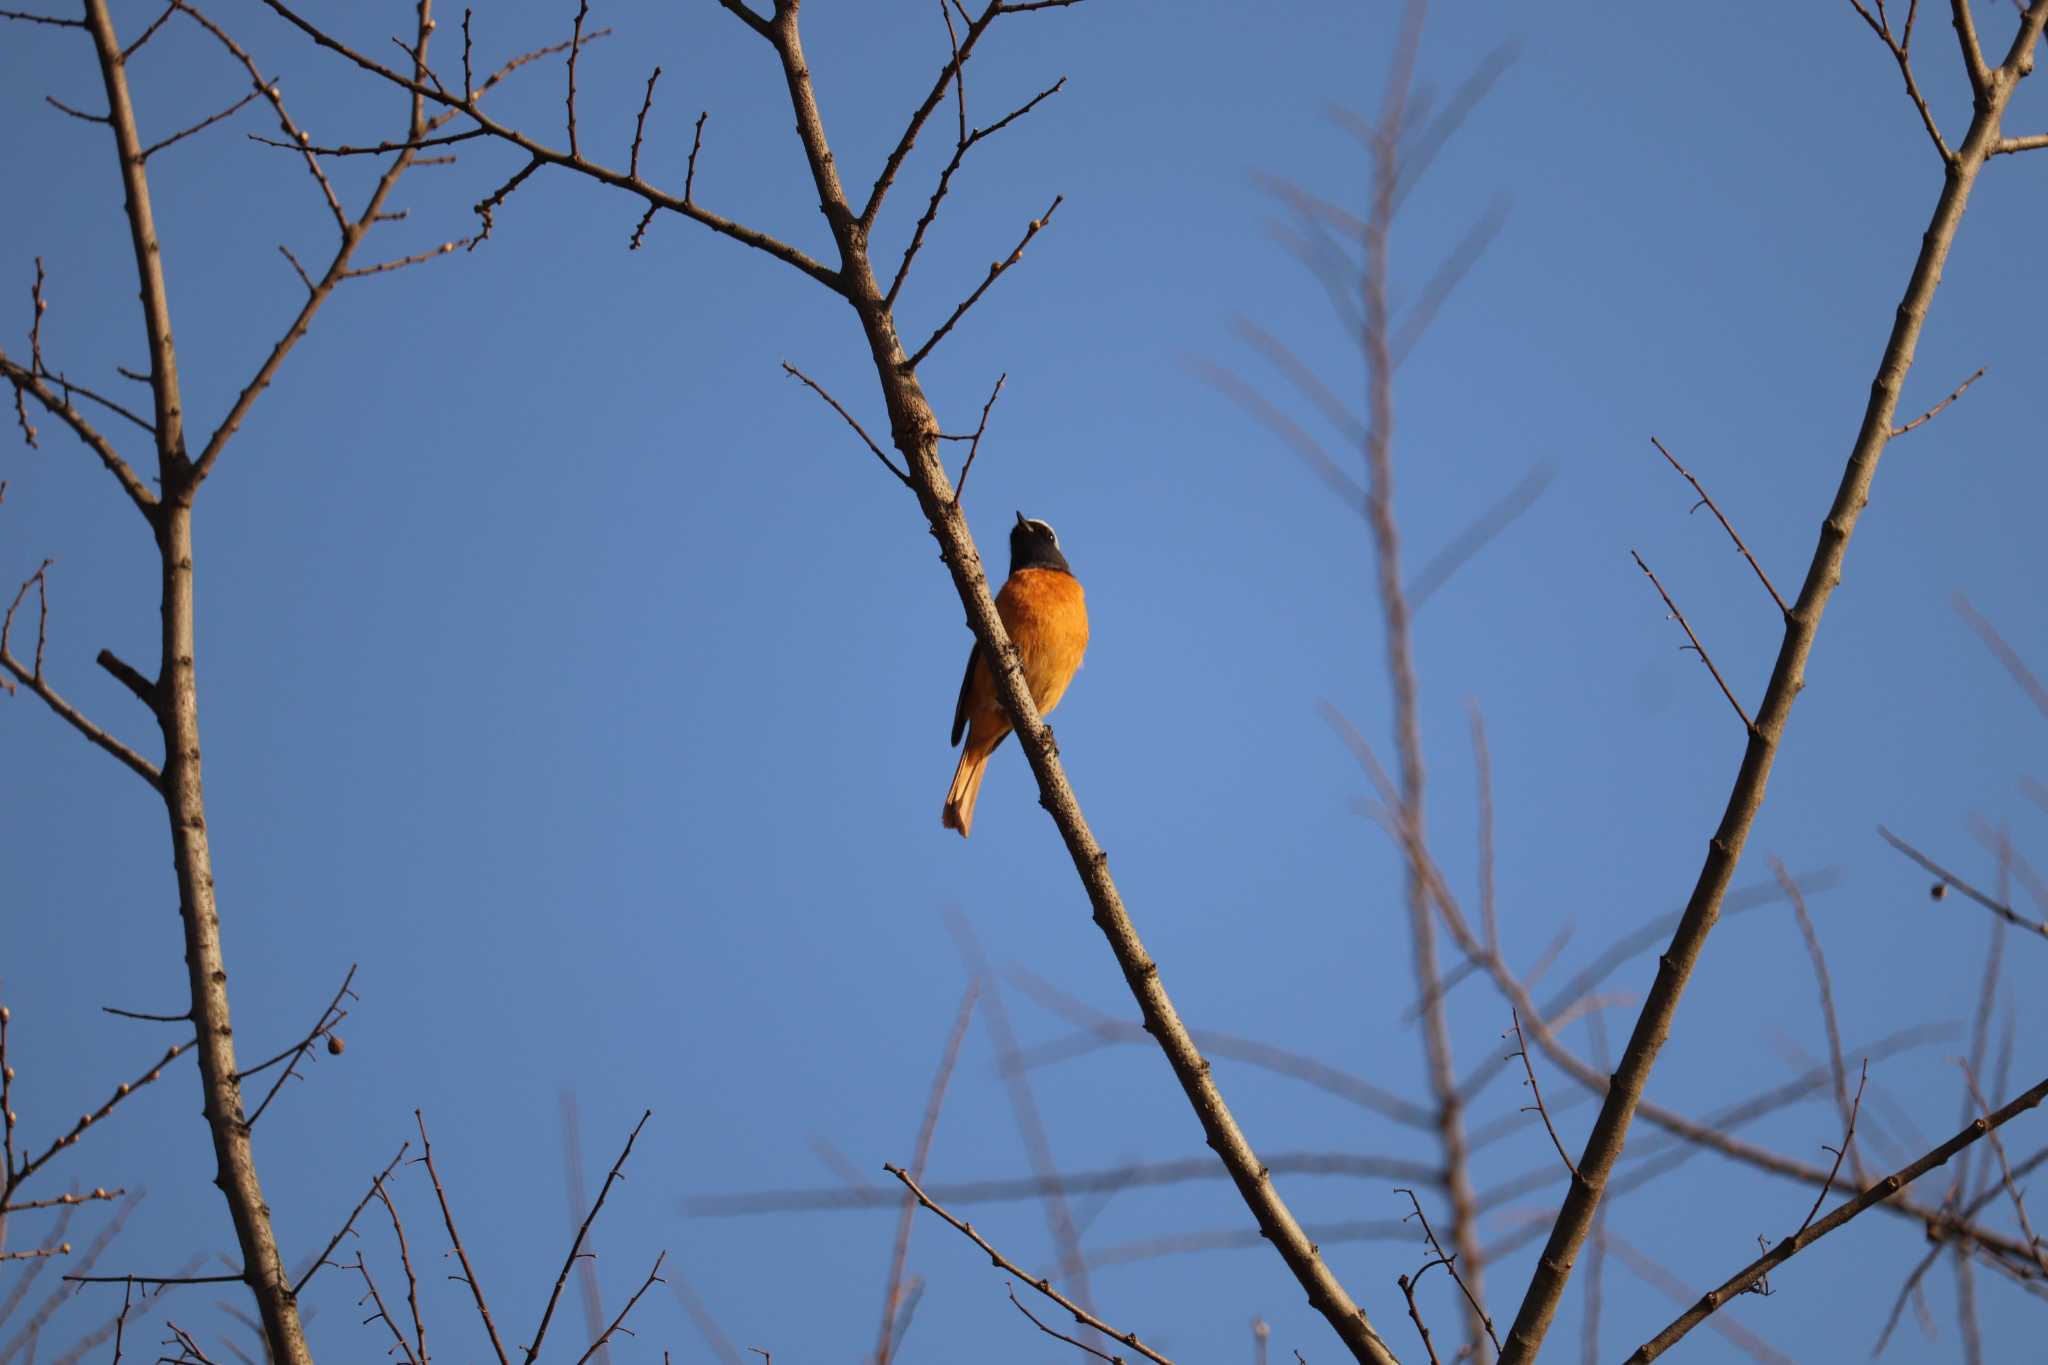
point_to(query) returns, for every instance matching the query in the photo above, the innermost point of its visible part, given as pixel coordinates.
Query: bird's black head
(1034, 546)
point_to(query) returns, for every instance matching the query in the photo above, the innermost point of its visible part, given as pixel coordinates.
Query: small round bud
(335, 1046)
(64, 1249)
(10, 1073)
(99, 1191)
(304, 136)
(124, 1088)
(41, 304)
(1937, 891)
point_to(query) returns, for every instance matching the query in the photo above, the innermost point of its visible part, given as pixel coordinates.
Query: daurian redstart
(1047, 617)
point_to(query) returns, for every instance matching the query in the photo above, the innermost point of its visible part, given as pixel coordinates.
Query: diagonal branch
(582, 1234)
(1695, 646)
(1002, 1262)
(468, 1275)
(1707, 501)
(27, 381)
(1948, 878)
(996, 270)
(974, 441)
(859, 430)
(31, 677)
(2005, 653)
(1785, 1250)
(1936, 410)
(199, 127)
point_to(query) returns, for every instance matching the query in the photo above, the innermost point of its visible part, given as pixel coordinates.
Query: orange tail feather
(958, 812)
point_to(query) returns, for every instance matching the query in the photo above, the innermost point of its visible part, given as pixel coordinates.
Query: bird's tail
(958, 812)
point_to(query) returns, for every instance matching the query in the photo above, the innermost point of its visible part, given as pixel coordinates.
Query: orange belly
(1047, 617)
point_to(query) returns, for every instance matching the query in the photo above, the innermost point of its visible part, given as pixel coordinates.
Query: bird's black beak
(1020, 519)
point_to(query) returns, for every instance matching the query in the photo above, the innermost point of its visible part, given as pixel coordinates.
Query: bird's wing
(966, 682)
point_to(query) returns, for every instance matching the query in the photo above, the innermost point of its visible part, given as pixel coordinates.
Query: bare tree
(1351, 256)
(183, 460)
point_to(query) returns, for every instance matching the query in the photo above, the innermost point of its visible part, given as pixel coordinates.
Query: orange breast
(1047, 617)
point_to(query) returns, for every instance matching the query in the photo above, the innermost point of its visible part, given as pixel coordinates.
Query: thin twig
(297, 1052)
(1836, 1065)
(1707, 501)
(996, 269)
(1055, 1332)
(582, 1233)
(1002, 1262)
(1450, 1264)
(859, 430)
(640, 124)
(1529, 1069)
(974, 446)
(31, 676)
(1848, 1137)
(575, 50)
(1884, 1189)
(2006, 655)
(1483, 529)
(348, 1225)
(1935, 411)
(468, 1275)
(1407, 1283)
(618, 1324)
(1696, 647)
(1948, 878)
(77, 1130)
(199, 127)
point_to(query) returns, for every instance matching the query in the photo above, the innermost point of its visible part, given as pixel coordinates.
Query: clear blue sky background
(573, 671)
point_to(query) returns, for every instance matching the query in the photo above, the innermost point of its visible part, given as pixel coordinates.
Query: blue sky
(575, 672)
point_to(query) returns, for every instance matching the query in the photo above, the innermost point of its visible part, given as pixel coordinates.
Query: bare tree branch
(1936, 410)
(1707, 501)
(1696, 647)
(1948, 878)
(1609, 1133)
(1810, 1233)
(1002, 1262)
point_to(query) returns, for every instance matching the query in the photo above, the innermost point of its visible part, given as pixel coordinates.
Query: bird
(1046, 614)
